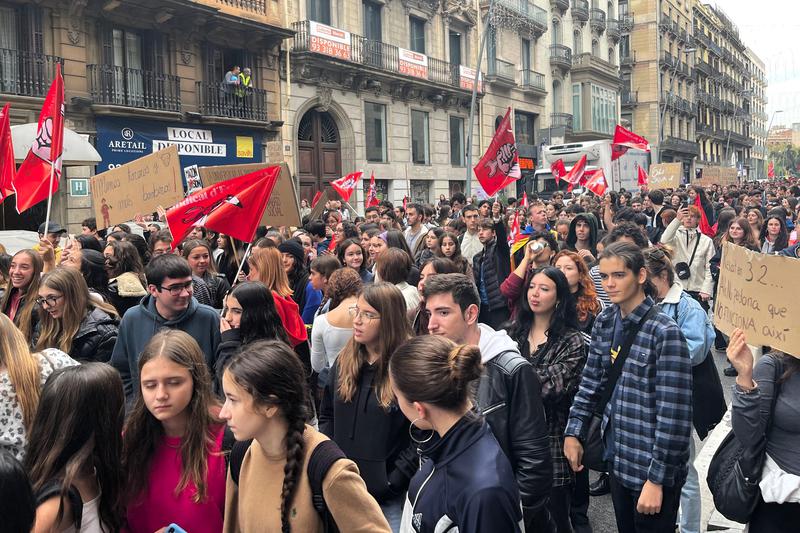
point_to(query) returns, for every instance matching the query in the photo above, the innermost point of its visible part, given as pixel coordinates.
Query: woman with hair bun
(465, 482)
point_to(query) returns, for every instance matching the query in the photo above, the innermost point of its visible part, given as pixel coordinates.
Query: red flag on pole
(643, 177)
(33, 177)
(316, 198)
(346, 185)
(597, 183)
(7, 166)
(705, 227)
(372, 194)
(499, 166)
(514, 230)
(233, 206)
(405, 202)
(575, 174)
(332, 244)
(524, 203)
(771, 170)
(624, 139)
(558, 170)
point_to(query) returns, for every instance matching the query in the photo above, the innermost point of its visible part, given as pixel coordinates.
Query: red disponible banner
(413, 63)
(467, 78)
(329, 41)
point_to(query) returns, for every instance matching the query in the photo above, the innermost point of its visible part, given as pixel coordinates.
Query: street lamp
(664, 106)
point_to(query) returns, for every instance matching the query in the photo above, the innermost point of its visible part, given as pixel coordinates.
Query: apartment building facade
(138, 76)
(758, 128)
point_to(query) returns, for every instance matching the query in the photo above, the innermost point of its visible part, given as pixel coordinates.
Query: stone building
(758, 129)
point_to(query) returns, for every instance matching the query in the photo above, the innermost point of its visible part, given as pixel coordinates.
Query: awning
(78, 151)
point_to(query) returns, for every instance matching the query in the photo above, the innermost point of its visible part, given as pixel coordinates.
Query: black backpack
(322, 459)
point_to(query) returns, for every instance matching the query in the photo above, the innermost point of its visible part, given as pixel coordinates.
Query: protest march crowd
(428, 368)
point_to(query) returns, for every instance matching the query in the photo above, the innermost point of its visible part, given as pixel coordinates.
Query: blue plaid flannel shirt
(652, 401)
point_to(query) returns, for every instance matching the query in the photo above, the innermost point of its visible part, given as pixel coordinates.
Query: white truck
(620, 174)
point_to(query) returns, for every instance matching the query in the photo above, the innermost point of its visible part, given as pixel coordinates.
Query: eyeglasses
(355, 312)
(50, 300)
(177, 290)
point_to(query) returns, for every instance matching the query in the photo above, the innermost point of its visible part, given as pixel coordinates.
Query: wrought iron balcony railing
(130, 87)
(217, 101)
(26, 74)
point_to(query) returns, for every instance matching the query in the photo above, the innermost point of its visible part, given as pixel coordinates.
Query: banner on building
(467, 78)
(138, 187)
(282, 209)
(413, 63)
(329, 41)
(755, 295)
(665, 175)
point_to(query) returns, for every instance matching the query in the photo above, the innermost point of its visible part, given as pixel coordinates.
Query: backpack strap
(236, 457)
(322, 459)
(52, 489)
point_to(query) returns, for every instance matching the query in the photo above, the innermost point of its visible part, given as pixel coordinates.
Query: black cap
(52, 227)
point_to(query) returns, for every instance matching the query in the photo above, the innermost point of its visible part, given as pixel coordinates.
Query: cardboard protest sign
(140, 186)
(665, 176)
(283, 208)
(719, 175)
(755, 295)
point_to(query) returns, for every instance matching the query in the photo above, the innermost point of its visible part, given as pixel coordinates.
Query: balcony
(629, 60)
(213, 101)
(678, 145)
(626, 24)
(738, 138)
(129, 87)
(501, 73)
(561, 120)
(533, 82)
(561, 5)
(613, 30)
(580, 10)
(258, 7)
(702, 66)
(561, 56)
(522, 16)
(629, 98)
(667, 60)
(666, 24)
(593, 68)
(26, 74)
(597, 20)
(704, 130)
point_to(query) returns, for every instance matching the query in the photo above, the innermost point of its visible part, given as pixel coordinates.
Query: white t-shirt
(326, 342)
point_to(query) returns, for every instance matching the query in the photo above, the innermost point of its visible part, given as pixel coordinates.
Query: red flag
(575, 174)
(524, 203)
(346, 185)
(33, 176)
(372, 195)
(558, 170)
(643, 177)
(233, 206)
(499, 166)
(316, 198)
(705, 227)
(513, 231)
(7, 166)
(332, 244)
(597, 183)
(624, 139)
(405, 202)
(771, 170)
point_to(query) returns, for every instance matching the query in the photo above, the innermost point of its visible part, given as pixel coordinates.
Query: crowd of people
(423, 368)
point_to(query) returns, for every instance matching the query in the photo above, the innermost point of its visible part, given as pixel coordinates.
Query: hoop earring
(411, 434)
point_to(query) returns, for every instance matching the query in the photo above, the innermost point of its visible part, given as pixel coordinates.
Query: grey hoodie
(493, 343)
(142, 322)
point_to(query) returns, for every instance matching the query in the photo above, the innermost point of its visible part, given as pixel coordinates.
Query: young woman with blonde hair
(19, 300)
(358, 409)
(72, 321)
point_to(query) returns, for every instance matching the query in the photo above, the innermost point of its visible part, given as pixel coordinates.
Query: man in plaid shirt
(647, 423)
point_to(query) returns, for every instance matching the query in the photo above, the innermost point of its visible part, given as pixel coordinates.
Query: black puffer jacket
(96, 337)
(495, 260)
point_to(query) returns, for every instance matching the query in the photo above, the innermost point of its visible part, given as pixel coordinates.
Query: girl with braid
(266, 400)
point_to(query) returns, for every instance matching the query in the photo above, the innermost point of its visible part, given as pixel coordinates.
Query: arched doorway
(319, 152)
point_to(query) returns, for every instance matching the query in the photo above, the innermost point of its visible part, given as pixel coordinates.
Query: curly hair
(342, 284)
(586, 301)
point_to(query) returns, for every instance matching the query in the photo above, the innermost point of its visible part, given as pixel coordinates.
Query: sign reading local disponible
(665, 176)
(137, 187)
(412, 63)
(121, 140)
(756, 294)
(329, 41)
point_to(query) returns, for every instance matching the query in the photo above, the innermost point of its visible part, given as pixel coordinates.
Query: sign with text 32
(756, 295)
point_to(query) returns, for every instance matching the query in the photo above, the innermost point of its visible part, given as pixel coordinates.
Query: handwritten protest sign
(756, 294)
(137, 187)
(719, 175)
(283, 208)
(665, 175)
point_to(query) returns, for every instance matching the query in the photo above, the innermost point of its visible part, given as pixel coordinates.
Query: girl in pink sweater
(173, 445)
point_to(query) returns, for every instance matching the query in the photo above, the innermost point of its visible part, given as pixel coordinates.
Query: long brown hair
(186, 251)
(749, 240)
(60, 332)
(143, 431)
(23, 368)
(394, 330)
(78, 427)
(24, 317)
(269, 271)
(586, 301)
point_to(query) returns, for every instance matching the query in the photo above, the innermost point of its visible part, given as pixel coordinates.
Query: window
(524, 128)
(625, 47)
(611, 58)
(604, 109)
(577, 43)
(526, 54)
(576, 107)
(419, 138)
(457, 150)
(416, 40)
(372, 21)
(455, 48)
(595, 48)
(420, 191)
(375, 131)
(319, 11)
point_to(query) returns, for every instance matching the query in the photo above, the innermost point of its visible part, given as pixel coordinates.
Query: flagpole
(241, 264)
(49, 197)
